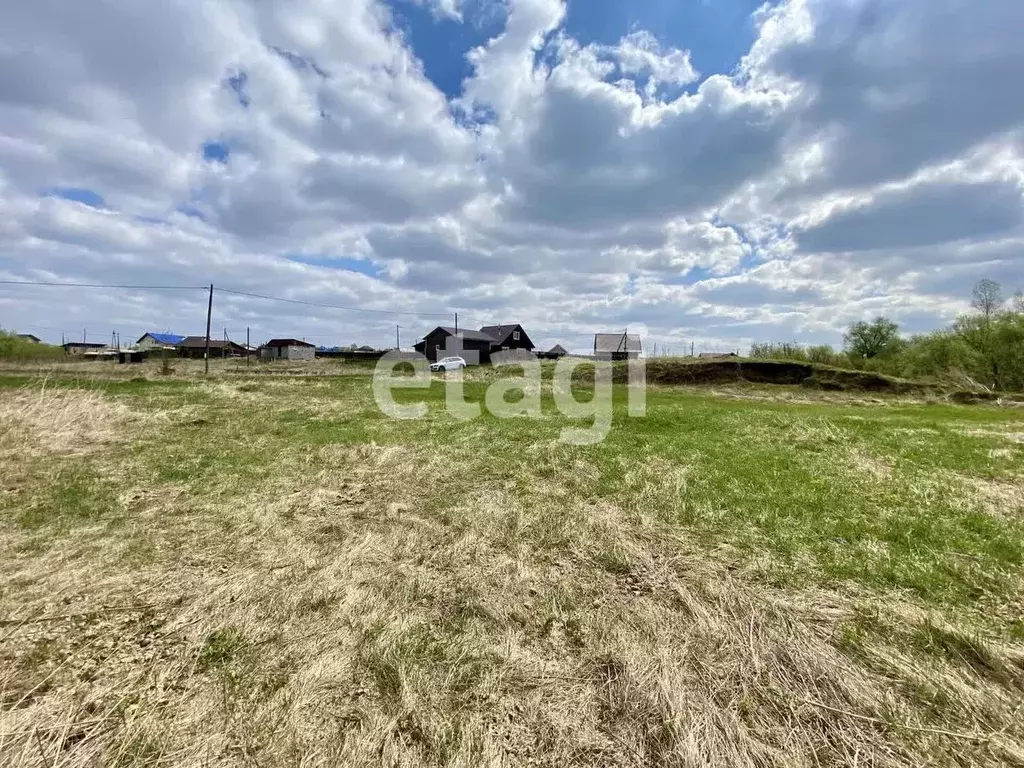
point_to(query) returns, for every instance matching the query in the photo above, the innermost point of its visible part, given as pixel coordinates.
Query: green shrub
(980, 350)
(17, 349)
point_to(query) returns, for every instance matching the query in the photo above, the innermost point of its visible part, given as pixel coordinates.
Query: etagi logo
(523, 375)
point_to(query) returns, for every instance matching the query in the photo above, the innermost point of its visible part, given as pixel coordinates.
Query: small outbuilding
(31, 338)
(287, 349)
(616, 346)
(83, 347)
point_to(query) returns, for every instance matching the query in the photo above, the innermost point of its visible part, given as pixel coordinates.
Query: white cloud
(863, 158)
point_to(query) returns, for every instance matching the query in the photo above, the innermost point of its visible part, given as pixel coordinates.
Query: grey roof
(616, 342)
(199, 342)
(466, 333)
(499, 332)
(558, 349)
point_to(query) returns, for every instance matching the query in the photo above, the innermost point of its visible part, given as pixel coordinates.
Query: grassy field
(261, 569)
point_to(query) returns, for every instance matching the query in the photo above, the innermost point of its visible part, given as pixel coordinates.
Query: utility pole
(83, 335)
(398, 337)
(456, 323)
(691, 349)
(209, 315)
(248, 349)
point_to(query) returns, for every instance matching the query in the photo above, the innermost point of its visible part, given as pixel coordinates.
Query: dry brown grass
(338, 615)
(58, 421)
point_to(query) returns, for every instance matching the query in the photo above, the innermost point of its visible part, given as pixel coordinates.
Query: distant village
(477, 347)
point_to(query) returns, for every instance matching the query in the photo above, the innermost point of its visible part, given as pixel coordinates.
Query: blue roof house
(158, 341)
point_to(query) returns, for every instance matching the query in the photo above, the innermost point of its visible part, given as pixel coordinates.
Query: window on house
(515, 335)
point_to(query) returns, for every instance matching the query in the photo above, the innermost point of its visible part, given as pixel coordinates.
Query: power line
(248, 294)
(332, 306)
(101, 285)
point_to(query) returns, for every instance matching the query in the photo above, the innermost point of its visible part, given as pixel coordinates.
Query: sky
(706, 172)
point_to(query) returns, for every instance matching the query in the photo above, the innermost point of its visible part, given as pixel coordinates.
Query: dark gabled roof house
(445, 331)
(475, 346)
(195, 346)
(445, 341)
(558, 351)
(508, 336)
(29, 337)
(288, 343)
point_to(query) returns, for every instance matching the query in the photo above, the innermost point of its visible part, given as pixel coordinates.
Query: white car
(448, 364)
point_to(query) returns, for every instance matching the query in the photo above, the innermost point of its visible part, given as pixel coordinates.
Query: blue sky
(716, 32)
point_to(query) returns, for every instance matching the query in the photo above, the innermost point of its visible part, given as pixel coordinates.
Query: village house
(476, 347)
(31, 338)
(473, 346)
(150, 341)
(287, 349)
(195, 347)
(508, 337)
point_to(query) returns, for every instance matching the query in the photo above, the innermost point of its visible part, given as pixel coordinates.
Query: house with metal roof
(151, 340)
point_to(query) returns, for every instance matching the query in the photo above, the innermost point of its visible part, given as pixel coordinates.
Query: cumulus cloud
(862, 157)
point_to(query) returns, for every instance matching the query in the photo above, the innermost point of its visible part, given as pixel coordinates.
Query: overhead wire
(104, 285)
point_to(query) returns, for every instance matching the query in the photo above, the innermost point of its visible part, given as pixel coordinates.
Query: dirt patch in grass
(870, 465)
(999, 497)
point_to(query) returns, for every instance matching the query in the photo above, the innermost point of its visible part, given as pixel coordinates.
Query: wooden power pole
(209, 315)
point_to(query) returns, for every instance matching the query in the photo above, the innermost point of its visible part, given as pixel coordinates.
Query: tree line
(982, 348)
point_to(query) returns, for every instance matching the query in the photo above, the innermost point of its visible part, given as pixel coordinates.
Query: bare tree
(987, 297)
